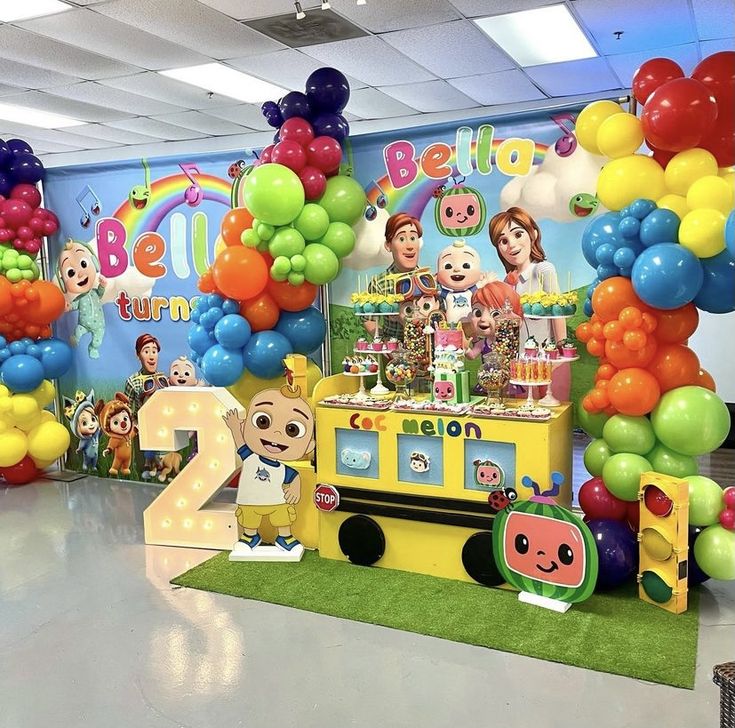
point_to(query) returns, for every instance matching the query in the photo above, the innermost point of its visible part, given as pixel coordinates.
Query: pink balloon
(6, 235)
(290, 154)
(36, 224)
(728, 497)
(314, 182)
(24, 233)
(16, 213)
(296, 130)
(50, 227)
(324, 153)
(727, 519)
(27, 193)
(265, 155)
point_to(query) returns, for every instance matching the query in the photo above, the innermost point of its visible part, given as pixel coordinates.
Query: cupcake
(385, 307)
(538, 309)
(377, 345)
(368, 307)
(568, 348)
(530, 348)
(392, 344)
(550, 349)
(557, 310)
(346, 364)
(361, 344)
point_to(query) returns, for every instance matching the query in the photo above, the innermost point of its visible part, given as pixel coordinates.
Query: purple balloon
(328, 90)
(273, 117)
(294, 103)
(268, 106)
(331, 125)
(27, 168)
(617, 549)
(6, 184)
(5, 155)
(19, 146)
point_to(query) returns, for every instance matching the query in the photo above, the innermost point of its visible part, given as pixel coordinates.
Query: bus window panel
(357, 453)
(421, 460)
(489, 465)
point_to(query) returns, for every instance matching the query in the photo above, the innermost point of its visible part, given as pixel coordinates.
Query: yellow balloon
(589, 121)
(675, 203)
(687, 167)
(13, 447)
(619, 135)
(626, 179)
(47, 416)
(4, 391)
(729, 179)
(245, 388)
(703, 232)
(48, 441)
(44, 393)
(656, 545)
(711, 192)
(25, 412)
(42, 464)
(4, 425)
(219, 245)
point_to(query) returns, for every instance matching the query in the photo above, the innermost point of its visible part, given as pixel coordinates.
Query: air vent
(319, 26)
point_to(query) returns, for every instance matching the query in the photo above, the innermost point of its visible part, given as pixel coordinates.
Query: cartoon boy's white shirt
(262, 479)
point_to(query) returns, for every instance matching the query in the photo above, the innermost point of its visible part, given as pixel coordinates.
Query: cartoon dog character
(116, 421)
(419, 462)
(170, 466)
(489, 474)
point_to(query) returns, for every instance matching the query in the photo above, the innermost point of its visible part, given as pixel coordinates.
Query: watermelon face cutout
(460, 211)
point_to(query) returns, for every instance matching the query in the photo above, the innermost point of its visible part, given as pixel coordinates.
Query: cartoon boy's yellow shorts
(280, 515)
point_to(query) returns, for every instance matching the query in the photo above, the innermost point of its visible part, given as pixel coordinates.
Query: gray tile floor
(92, 634)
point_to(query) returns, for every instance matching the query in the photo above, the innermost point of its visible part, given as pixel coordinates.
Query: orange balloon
(292, 298)
(631, 317)
(634, 391)
(622, 357)
(634, 340)
(240, 272)
(262, 312)
(677, 325)
(613, 330)
(596, 347)
(45, 303)
(612, 296)
(584, 332)
(206, 282)
(589, 404)
(605, 371)
(234, 223)
(674, 365)
(600, 398)
(649, 323)
(704, 379)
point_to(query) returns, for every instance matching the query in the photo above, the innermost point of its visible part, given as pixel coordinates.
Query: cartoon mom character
(78, 275)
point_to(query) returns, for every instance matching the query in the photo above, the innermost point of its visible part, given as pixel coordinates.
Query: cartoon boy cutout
(459, 276)
(78, 275)
(278, 428)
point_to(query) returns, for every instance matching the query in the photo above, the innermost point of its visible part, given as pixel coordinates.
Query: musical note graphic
(88, 210)
(194, 194)
(140, 194)
(566, 144)
(381, 201)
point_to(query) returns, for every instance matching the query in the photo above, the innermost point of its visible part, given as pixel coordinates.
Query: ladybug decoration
(438, 191)
(459, 211)
(501, 499)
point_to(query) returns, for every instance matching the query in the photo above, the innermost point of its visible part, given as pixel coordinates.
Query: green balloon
(596, 455)
(339, 238)
(691, 420)
(286, 242)
(265, 231)
(705, 500)
(622, 474)
(295, 279)
(250, 238)
(714, 551)
(298, 263)
(591, 424)
(312, 221)
(322, 265)
(14, 275)
(665, 460)
(624, 433)
(343, 199)
(273, 194)
(280, 269)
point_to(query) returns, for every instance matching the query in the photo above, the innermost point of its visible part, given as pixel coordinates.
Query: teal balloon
(714, 551)
(596, 455)
(691, 420)
(286, 242)
(343, 199)
(622, 474)
(705, 501)
(312, 221)
(273, 194)
(669, 462)
(322, 265)
(592, 424)
(339, 238)
(624, 433)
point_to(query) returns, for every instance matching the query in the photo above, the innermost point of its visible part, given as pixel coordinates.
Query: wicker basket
(724, 676)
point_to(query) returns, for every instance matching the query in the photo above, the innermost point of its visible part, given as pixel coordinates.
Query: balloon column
(664, 252)
(30, 437)
(287, 237)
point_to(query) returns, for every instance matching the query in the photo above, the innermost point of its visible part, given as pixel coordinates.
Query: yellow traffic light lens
(656, 545)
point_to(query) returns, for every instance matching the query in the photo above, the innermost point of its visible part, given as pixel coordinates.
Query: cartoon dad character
(459, 276)
(278, 428)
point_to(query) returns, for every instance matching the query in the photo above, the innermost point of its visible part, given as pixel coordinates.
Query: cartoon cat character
(116, 421)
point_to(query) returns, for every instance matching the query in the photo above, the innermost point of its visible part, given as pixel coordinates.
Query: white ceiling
(421, 61)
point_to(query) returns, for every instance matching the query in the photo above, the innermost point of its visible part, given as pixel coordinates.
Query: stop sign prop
(326, 497)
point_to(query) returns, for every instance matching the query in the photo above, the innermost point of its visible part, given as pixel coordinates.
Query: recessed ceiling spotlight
(300, 14)
(326, 5)
(362, 2)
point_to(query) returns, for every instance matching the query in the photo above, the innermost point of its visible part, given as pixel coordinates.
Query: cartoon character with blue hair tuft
(84, 423)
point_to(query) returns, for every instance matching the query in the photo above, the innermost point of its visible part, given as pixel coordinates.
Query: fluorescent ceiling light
(34, 117)
(11, 11)
(226, 81)
(534, 37)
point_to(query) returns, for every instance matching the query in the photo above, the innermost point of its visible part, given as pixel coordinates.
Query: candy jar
(507, 332)
(493, 376)
(400, 370)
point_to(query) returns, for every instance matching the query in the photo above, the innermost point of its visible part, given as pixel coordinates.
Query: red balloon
(652, 74)
(633, 516)
(598, 502)
(16, 213)
(728, 497)
(314, 182)
(290, 154)
(662, 156)
(21, 473)
(27, 193)
(657, 501)
(720, 140)
(717, 73)
(727, 519)
(679, 115)
(296, 130)
(324, 153)
(265, 155)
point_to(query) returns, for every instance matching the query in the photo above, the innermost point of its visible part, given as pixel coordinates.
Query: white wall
(714, 344)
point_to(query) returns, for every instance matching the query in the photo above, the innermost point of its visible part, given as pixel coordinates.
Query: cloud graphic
(369, 248)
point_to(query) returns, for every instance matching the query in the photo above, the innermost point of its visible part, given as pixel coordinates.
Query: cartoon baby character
(116, 421)
(78, 275)
(489, 474)
(182, 373)
(278, 428)
(459, 276)
(84, 423)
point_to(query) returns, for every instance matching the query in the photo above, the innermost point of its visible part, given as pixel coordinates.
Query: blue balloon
(328, 90)
(56, 357)
(640, 208)
(6, 154)
(200, 339)
(195, 315)
(19, 146)
(201, 304)
(17, 347)
(21, 373)
(607, 271)
(294, 103)
(232, 331)
(265, 352)
(34, 350)
(304, 329)
(600, 230)
(717, 294)
(626, 272)
(230, 306)
(587, 308)
(629, 227)
(209, 318)
(4, 354)
(222, 367)
(3, 342)
(26, 340)
(617, 551)
(624, 257)
(667, 276)
(605, 253)
(214, 300)
(660, 226)
(26, 168)
(730, 233)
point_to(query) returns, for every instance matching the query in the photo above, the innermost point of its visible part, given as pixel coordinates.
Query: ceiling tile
(481, 8)
(708, 47)
(649, 24)
(19, 45)
(96, 33)
(203, 123)
(155, 128)
(109, 134)
(288, 68)
(27, 76)
(247, 115)
(626, 64)
(476, 51)
(112, 98)
(505, 87)
(369, 103)
(77, 140)
(381, 16)
(6, 90)
(371, 60)
(713, 18)
(58, 105)
(192, 25)
(574, 77)
(39, 146)
(241, 10)
(430, 96)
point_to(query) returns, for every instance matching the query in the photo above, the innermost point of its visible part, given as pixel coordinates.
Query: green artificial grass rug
(613, 632)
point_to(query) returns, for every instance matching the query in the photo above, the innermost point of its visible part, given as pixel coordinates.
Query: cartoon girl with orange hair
(487, 303)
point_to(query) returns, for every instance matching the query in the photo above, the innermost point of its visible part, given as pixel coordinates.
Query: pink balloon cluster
(23, 222)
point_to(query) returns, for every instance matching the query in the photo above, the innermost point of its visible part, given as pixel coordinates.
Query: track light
(300, 14)
(326, 5)
(362, 2)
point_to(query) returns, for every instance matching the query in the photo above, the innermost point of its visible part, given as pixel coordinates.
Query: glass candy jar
(507, 332)
(493, 377)
(400, 370)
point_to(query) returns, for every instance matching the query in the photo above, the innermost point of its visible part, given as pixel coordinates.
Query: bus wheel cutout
(361, 540)
(478, 561)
